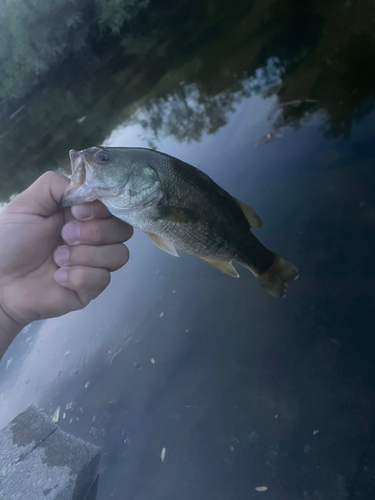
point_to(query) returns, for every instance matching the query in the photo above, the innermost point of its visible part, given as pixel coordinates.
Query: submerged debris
(268, 138)
(56, 415)
(261, 488)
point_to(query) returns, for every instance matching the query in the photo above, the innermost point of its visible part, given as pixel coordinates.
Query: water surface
(275, 101)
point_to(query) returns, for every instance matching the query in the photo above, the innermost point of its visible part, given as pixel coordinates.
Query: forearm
(8, 331)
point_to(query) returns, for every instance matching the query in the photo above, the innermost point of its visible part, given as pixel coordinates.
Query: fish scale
(200, 238)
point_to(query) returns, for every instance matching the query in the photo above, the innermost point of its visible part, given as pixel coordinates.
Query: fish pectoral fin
(223, 266)
(252, 218)
(163, 244)
(177, 214)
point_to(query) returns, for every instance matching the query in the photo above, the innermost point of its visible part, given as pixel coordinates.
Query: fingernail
(61, 276)
(83, 212)
(62, 255)
(71, 233)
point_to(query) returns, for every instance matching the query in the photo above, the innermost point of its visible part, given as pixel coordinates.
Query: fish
(179, 207)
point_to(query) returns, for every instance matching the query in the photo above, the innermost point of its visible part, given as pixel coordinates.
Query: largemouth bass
(178, 207)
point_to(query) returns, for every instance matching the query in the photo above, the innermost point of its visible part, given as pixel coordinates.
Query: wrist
(9, 328)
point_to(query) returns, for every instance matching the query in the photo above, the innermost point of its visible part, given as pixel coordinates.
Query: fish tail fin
(275, 278)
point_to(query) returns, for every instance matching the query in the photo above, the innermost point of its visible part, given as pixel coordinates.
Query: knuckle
(97, 232)
(106, 279)
(100, 210)
(77, 255)
(124, 254)
(128, 231)
(118, 257)
(49, 175)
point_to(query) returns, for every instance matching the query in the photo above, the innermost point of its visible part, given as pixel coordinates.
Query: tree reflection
(190, 111)
(178, 69)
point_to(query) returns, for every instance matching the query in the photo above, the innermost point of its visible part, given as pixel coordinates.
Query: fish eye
(102, 156)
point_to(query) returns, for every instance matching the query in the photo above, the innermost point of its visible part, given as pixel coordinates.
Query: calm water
(241, 389)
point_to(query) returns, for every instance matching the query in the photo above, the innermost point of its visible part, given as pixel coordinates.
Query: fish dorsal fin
(223, 266)
(177, 214)
(163, 244)
(252, 218)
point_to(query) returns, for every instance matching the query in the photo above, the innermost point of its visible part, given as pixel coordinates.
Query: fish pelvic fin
(223, 266)
(163, 244)
(252, 218)
(275, 278)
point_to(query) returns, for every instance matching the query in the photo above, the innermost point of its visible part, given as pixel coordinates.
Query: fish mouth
(77, 164)
(80, 189)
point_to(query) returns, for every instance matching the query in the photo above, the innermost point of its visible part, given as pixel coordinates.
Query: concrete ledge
(40, 462)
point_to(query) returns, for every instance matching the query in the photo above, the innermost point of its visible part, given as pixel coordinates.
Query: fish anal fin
(163, 244)
(177, 214)
(252, 218)
(223, 266)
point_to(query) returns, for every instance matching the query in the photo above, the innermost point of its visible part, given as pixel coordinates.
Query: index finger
(89, 211)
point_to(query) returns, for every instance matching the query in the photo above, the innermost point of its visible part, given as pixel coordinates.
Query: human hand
(40, 276)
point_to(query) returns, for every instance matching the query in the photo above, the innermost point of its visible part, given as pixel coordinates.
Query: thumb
(42, 197)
